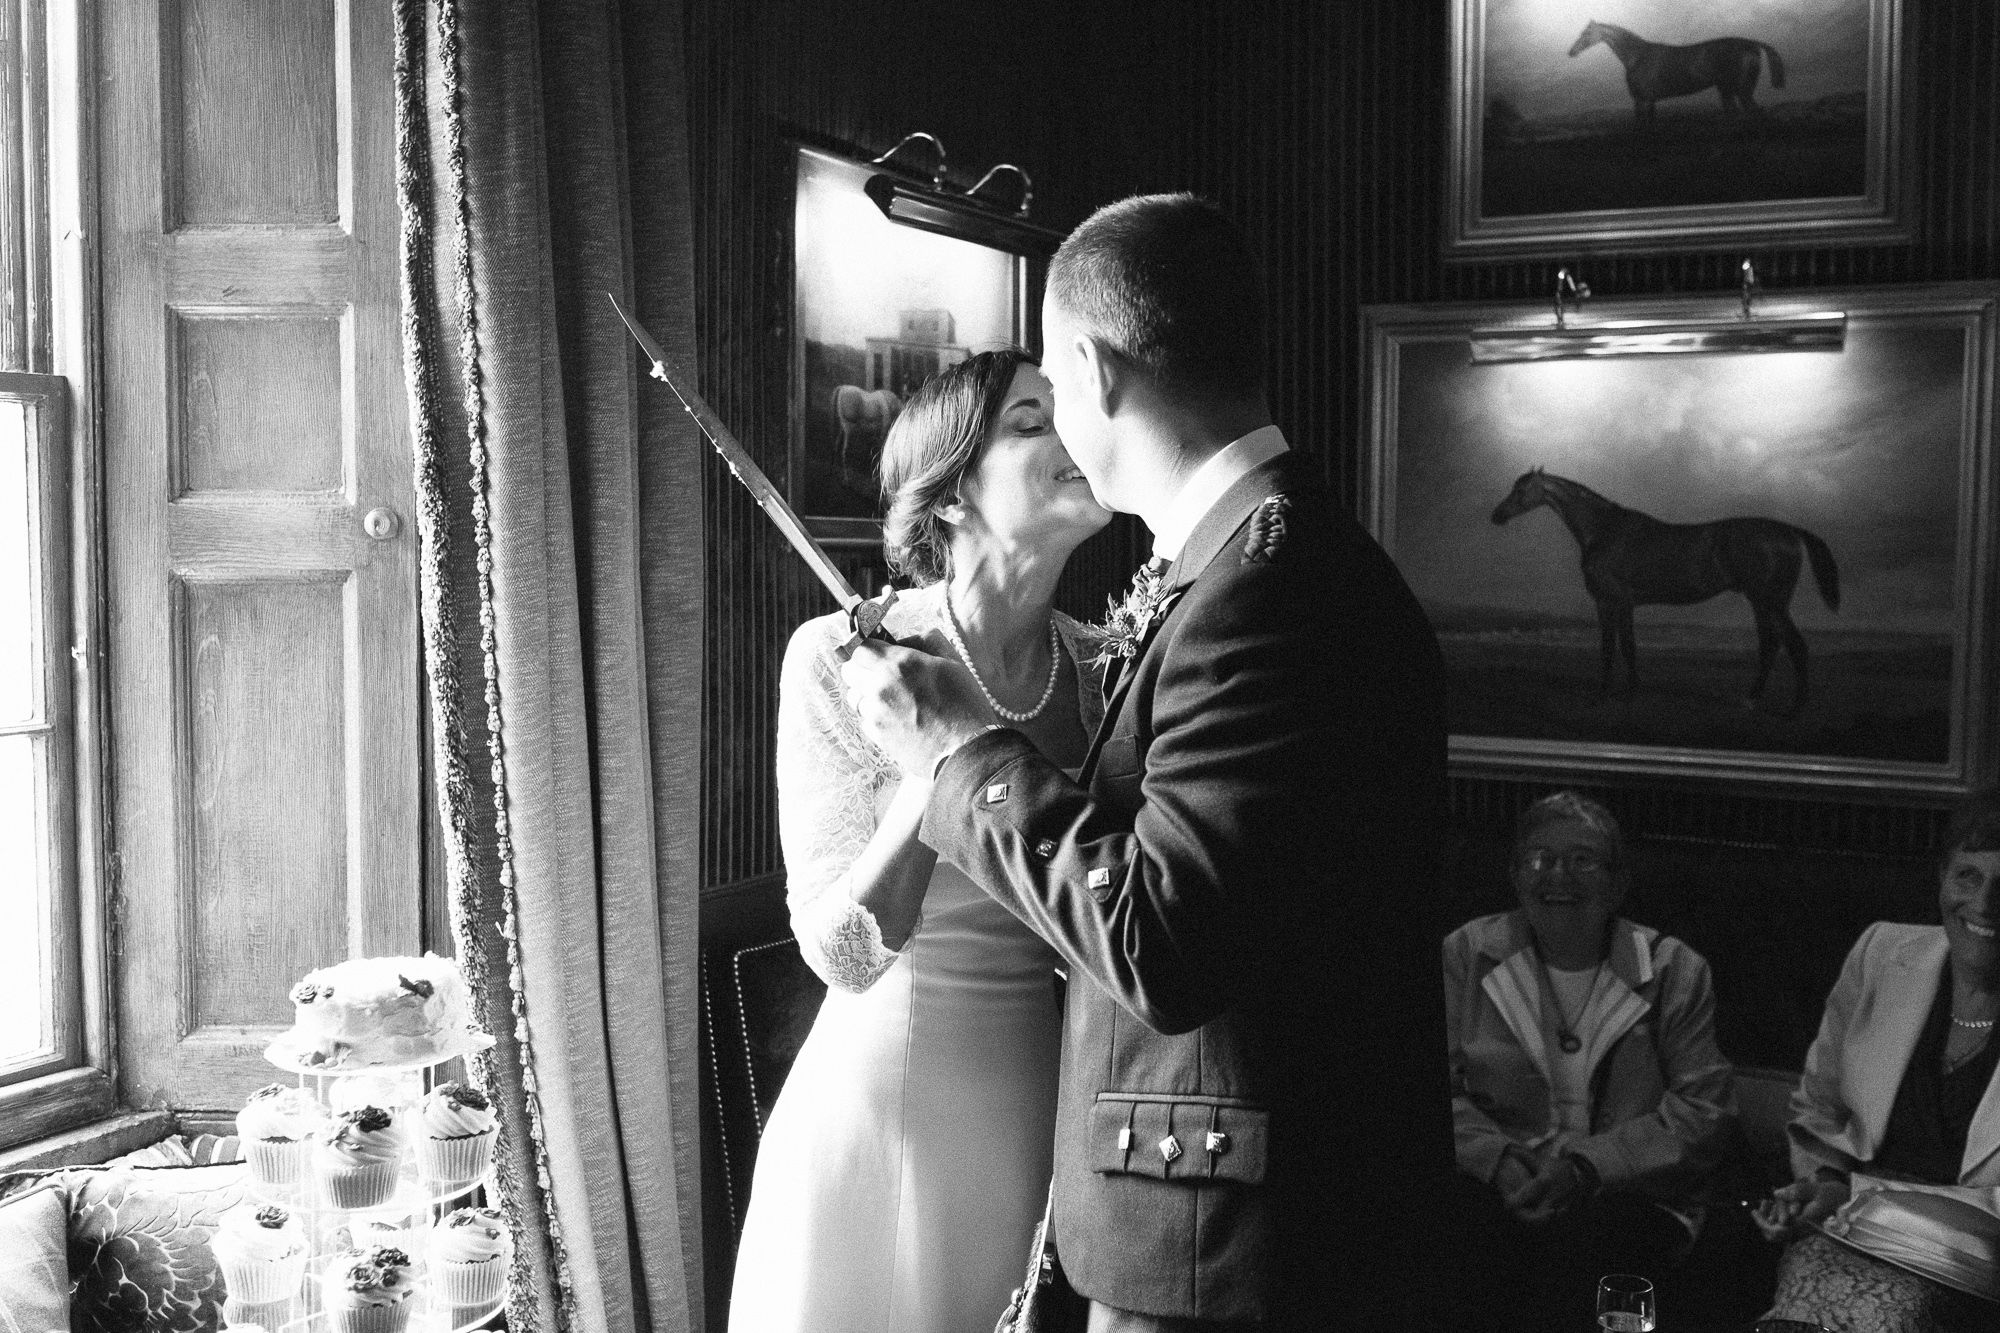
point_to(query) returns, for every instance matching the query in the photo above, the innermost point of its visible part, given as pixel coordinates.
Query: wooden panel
(263, 649)
(258, 120)
(260, 402)
(265, 893)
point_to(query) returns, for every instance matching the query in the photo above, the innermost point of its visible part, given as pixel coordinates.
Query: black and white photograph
(739, 666)
(1594, 125)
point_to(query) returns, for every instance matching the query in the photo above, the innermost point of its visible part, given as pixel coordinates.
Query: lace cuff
(848, 942)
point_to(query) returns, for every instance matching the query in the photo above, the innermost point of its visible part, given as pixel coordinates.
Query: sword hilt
(865, 619)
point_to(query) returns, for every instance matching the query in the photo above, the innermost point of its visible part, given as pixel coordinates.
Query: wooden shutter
(263, 645)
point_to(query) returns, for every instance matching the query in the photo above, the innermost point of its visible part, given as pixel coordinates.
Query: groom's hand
(915, 706)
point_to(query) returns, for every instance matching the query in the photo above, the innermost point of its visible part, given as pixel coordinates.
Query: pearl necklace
(951, 632)
(1970, 1023)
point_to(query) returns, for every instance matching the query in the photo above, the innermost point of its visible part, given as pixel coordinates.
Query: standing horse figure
(1633, 559)
(1653, 70)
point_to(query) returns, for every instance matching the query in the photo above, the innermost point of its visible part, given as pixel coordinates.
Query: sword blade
(745, 469)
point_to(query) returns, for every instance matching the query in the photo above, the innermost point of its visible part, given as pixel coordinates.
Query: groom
(1253, 1128)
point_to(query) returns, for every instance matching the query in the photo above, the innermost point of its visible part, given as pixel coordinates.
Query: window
(38, 1009)
(53, 1047)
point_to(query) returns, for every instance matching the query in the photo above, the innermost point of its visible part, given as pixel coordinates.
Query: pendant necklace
(1565, 1030)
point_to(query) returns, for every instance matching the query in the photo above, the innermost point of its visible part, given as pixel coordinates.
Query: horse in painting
(1632, 559)
(1654, 70)
(862, 411)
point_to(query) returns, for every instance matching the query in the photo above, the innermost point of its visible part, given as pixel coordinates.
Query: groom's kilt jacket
(1254, 1117)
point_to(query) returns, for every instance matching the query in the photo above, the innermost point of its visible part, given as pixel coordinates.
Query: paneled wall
(1320, 127)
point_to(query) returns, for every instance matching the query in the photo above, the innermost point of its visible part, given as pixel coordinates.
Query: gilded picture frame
(1881, 454)
(876, 309)
(1687, 124)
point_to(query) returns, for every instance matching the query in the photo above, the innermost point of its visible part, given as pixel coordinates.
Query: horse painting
(865, 412)
(1633, 559)
(1653, 70)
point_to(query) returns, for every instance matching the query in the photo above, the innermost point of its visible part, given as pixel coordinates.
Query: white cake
(370, 1012)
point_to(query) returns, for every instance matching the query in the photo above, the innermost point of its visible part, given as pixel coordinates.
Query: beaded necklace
(951, 632)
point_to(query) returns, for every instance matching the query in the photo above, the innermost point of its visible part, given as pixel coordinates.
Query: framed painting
(1595, 126)
(1768, 569)
(877, 309)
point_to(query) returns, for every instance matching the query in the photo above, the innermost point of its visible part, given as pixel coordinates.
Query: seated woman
(1590, 1099)
(1900, 1086)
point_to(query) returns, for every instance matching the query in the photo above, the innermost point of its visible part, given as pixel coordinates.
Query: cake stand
(418, 1203)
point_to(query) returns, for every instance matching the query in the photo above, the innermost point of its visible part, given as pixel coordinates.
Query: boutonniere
(1126, 622)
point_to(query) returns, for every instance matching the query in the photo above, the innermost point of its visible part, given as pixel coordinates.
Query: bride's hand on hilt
(917, 707)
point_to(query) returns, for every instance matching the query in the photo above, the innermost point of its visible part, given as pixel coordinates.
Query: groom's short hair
(1170, 285)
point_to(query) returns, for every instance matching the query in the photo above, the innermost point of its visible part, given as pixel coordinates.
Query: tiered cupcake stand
(416, 1206)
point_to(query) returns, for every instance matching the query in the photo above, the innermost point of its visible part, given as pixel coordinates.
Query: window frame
(53, 293)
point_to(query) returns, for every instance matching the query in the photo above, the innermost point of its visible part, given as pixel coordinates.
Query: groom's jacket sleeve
(1169, 901)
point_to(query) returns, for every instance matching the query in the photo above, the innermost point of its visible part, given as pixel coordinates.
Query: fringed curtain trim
(457, 795)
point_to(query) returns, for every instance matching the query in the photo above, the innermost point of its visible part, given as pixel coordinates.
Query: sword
(864, 615)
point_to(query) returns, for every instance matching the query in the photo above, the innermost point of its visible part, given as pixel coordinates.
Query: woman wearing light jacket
(1902, 1087)
(1590, 1099)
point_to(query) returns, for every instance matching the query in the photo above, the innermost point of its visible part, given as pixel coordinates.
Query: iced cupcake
(468, 1258)
(359, 1154)
(276, 1127)
(366, 1232)
(454, 1134)
(368, 1291)
(262, 1253)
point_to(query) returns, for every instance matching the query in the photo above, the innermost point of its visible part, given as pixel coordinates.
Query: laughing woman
(1902, 1087)
(1591, 1102)
(908, 1157)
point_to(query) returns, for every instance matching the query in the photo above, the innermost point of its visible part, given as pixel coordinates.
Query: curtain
(542, 162)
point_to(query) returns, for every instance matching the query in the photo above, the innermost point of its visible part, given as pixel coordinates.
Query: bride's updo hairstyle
(934, 443)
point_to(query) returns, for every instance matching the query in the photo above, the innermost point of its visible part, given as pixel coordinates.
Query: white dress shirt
(1223, 469)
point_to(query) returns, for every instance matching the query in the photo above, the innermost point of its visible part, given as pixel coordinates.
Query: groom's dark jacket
(1255, 1115)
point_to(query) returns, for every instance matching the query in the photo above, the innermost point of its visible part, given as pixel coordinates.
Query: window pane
(17, 578)
(26, 1021)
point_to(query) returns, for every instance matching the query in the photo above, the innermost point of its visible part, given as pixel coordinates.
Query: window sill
(90, 1144)
(36, 1108)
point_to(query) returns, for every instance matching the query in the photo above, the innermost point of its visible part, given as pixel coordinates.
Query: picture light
(1818, 331)
(965, 215)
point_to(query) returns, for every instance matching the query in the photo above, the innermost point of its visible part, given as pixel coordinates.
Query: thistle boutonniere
(1126, 621)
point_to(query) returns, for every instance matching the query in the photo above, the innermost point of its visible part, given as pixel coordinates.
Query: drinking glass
(1625, 1304)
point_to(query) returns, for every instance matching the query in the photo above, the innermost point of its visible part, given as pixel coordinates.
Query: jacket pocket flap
(1119, 755)
(1192, 1142)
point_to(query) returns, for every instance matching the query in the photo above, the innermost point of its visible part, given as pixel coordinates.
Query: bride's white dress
(907, 1159)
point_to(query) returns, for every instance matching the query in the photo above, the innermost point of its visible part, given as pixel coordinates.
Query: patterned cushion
(34, 1278)
(1851, 1292)
(138, 1246)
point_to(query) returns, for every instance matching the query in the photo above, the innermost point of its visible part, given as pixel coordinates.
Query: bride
(907, 1159)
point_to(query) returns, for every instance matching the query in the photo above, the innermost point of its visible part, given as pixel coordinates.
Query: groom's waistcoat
(1254, 1117)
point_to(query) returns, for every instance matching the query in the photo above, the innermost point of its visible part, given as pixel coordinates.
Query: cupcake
(454, 1134)
(276, 1126)
(360, 1152)
(262, 1253)
(468, 1258)
(401, 1232)
(368, 1291)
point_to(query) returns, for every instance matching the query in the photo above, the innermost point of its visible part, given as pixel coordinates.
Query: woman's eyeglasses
(1577, 861)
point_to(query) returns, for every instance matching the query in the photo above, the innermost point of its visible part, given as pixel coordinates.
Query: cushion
(34, 1274)
(138, 1246)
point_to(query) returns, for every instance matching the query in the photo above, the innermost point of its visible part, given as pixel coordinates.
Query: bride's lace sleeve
(828, 777)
